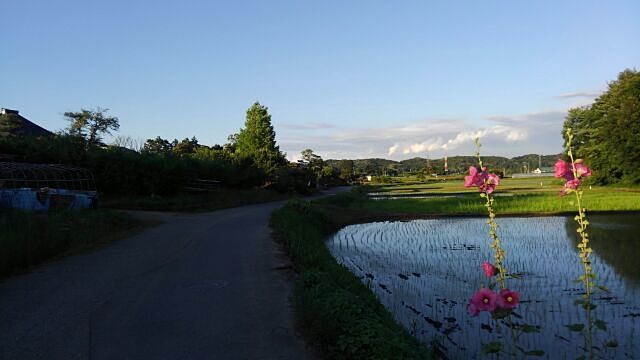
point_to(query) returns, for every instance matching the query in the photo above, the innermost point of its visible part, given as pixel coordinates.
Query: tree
(607, 132)
(157, 146)
(257, 140)
(346, 169)
(186, 146)
(91, 124)
(314, 163)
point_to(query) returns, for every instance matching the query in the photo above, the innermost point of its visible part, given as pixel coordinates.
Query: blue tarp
(32, 200)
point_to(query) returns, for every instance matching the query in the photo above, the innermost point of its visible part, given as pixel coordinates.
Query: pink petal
(473, 310)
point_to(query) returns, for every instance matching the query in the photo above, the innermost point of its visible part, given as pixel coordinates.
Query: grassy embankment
(28, 239)
(193, 202)
(513, 197)
(333, 306)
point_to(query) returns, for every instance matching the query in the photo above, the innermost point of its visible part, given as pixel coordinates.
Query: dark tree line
(161, 167)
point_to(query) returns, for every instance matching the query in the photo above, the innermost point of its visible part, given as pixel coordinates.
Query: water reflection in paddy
(424, 272)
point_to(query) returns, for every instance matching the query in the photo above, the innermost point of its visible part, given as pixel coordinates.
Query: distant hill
(14, 124)
(456, 164)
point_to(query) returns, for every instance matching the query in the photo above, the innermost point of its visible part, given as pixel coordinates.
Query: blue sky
(349, 79)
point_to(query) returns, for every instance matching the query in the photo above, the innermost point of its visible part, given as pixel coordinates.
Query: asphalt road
(199, 286)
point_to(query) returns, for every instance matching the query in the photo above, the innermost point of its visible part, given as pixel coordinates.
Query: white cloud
(580, 94)
(505, 135)
(307, 126)
(498, 131)
(393, 149)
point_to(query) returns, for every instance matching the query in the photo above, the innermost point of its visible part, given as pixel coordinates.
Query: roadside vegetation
(334, 308)
(195, 202)
(28, 239)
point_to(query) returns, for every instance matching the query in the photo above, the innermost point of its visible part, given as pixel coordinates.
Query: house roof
(22, 125)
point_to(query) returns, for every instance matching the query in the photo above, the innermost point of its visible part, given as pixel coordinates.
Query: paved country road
(199, 286)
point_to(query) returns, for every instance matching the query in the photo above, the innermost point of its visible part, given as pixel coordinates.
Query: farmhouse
(12, 123)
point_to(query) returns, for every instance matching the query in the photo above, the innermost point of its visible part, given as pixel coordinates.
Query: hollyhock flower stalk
(486, 183)
(573, 172)
(574, 175)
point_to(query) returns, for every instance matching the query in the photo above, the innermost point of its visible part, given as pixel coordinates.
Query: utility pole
(446, 165)
(540, 161)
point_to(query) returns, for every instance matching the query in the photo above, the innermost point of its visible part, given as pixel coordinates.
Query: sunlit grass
(513, 196)
(541, 202)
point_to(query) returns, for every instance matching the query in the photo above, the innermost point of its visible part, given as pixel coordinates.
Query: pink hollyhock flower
(507, 299)
(484, 300)
(473, 310)
(581, 169)
(572, 184)
(569, 186)
(489, 269)
(563, 170)
(493, 179)
(486, 182)
(474, 178)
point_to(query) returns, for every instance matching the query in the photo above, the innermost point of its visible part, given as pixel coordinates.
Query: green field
(513, 196)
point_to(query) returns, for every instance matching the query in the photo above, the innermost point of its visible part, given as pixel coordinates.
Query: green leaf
(604, 288)
(534, 353)
(492, 347)
(529, 329)
(601, 325)
(575, 327)
(611, 344)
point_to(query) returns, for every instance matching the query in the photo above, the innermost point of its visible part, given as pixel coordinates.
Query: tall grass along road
(199, 286)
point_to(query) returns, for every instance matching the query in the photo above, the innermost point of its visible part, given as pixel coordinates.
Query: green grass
(513, 196)
(193, 202)
(333, 306)
(28, 239)
(456, 185)
(542, 203)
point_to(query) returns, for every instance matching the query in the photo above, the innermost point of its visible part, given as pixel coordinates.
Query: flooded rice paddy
(425, 271)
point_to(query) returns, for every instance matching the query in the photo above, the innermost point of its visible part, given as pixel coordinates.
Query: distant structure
(446, 166)
(539, 161)
(20, 125)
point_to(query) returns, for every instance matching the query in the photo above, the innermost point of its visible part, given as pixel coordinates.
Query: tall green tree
(158, 146)
(314, 163)
(346, 169)
(186, 146)
(91, 124)
(607, 132)
(257, 140)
